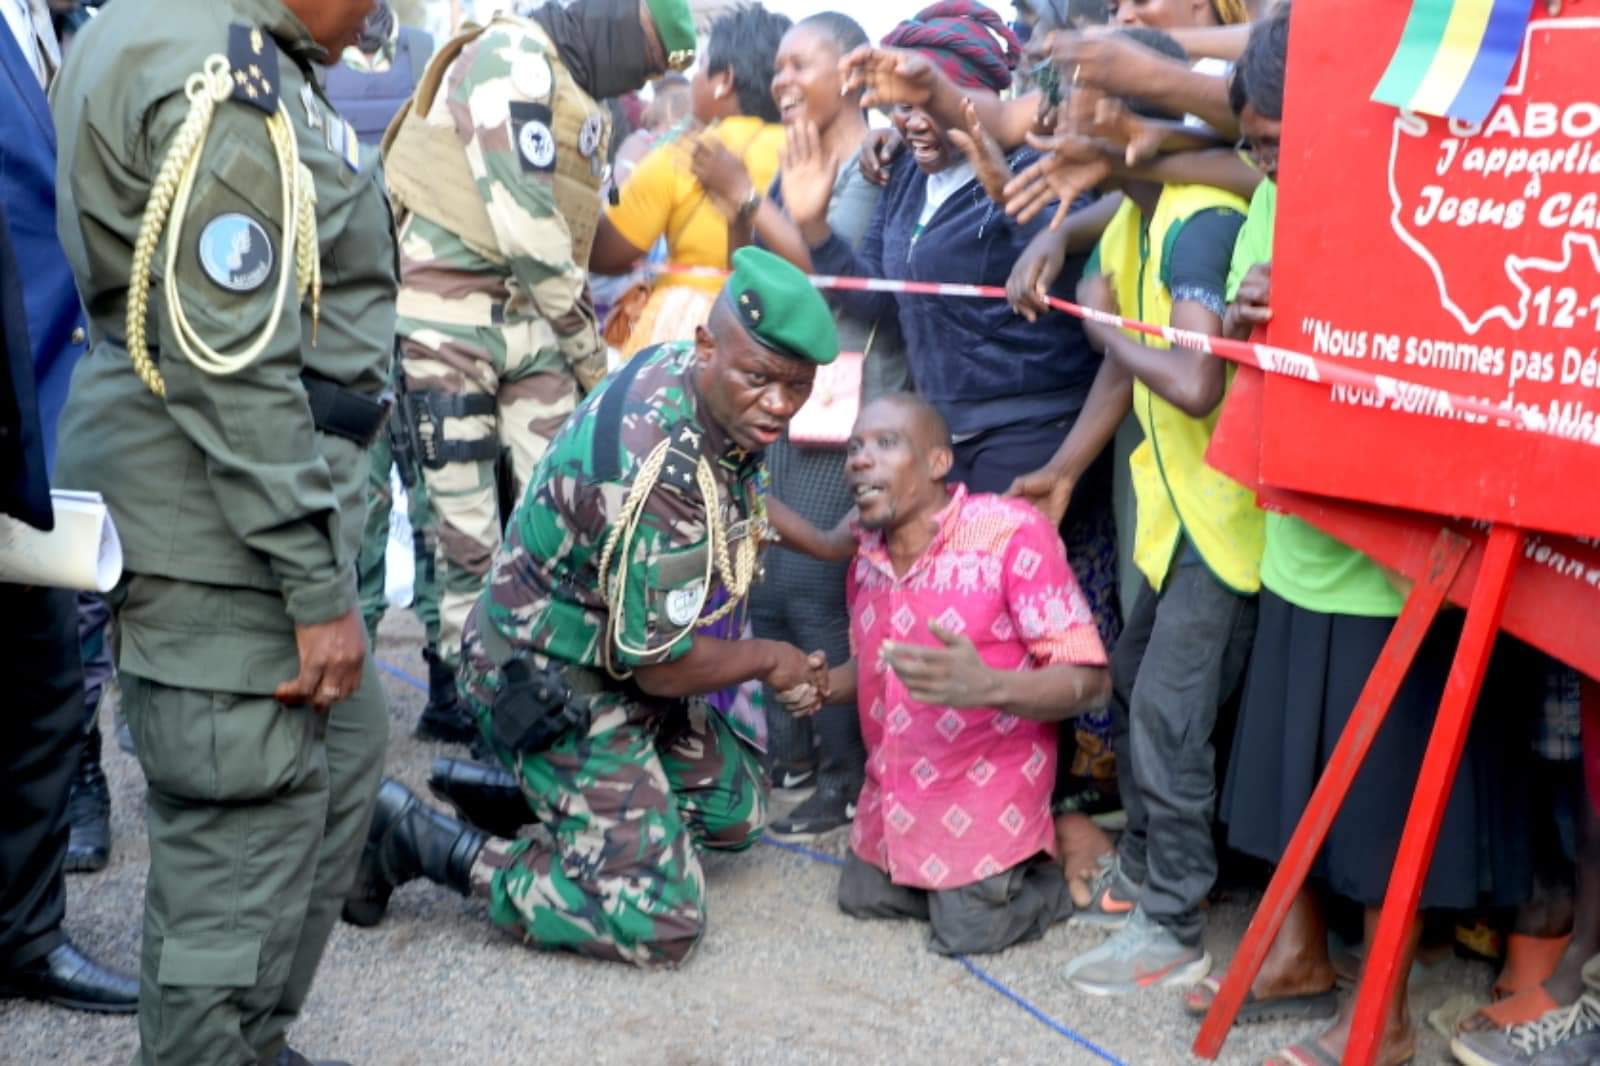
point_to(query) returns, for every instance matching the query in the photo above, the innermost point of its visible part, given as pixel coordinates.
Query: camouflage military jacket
(544, 595)
(539, 284)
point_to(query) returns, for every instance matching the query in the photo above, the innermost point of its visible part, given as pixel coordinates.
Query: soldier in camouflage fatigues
(625, 798)
(496, 168)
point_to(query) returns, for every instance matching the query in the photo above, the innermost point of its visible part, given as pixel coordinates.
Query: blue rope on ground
(833, 860)
(1038, 1015)
(395, 671)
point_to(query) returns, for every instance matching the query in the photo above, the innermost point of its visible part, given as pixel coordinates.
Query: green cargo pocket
(200, 962)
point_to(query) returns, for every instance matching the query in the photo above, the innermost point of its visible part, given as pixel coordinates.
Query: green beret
(780, 307)
(675, 26)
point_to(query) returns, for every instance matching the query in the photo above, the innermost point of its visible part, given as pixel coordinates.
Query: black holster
(533, 707)
(403, 435)
(427, 409)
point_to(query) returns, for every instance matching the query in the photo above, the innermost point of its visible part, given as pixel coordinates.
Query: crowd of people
(952, 575)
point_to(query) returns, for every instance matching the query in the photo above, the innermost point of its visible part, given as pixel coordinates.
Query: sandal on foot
(1314, 1007)
(1524, 1006)
(1530, 960)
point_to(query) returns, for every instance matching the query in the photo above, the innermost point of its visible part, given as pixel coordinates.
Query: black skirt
(1306, 673)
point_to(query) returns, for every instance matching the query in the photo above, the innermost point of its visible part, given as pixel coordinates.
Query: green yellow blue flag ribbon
(1455, 57)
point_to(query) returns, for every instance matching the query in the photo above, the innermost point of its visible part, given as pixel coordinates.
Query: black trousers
(41, 728)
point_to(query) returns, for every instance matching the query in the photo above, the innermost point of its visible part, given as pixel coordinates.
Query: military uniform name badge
(530, 132)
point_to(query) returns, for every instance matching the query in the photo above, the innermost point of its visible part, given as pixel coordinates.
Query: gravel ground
(781, 977)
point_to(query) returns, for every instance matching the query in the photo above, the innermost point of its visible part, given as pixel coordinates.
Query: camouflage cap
(675, 26)
(780, 307)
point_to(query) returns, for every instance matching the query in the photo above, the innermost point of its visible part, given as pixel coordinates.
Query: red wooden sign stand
(1382, 970)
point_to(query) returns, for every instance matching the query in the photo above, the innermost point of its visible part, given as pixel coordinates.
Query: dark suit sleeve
(24, 484)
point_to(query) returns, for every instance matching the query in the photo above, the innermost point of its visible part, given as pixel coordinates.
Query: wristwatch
(751, 204)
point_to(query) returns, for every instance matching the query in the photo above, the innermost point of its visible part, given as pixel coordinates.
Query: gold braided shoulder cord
(169, 199)
(738, 572)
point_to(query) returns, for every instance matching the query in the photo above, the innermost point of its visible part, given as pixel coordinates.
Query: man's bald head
(926, 425)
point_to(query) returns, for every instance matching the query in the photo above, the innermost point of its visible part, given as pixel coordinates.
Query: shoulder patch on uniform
(236, 252)
(530, 132)
(253, 66)
(683, 605)
(530, 76)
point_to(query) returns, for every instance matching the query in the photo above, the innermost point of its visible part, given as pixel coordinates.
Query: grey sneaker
(1113, 895)
(1566, 1036)
(1142, 954)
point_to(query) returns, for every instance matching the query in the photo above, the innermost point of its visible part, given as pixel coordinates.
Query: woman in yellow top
(733, 103)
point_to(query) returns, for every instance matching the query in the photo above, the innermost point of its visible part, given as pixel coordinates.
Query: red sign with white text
(1443, 258)
(1555, 588)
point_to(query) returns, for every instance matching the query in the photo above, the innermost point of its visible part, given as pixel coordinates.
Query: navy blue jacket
(979, 363)
(41, 321)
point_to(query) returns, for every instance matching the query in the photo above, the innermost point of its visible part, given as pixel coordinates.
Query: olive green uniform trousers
(256, 814)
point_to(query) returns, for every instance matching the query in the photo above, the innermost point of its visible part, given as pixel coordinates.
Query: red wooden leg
(1382, 975)
(1422, 606)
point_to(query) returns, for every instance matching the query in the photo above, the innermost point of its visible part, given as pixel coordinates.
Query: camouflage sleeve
(253, 426)
(664, 593)
(504, 98)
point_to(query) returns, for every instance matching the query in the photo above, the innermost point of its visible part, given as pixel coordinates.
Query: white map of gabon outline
(1412, 125)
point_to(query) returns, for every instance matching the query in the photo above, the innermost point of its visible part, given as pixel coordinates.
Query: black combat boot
(408, 839)
(487, 796)
(445, 718)
(89, 809)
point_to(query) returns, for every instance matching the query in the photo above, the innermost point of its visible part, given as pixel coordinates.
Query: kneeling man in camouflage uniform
(582, 659)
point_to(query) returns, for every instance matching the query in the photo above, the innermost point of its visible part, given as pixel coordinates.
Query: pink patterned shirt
(953, 796)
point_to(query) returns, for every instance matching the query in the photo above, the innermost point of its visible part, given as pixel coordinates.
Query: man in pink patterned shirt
(971, 641)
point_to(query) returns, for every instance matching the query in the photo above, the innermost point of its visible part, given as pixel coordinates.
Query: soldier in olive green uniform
(639, 533)
(495, 168)
(225, 412)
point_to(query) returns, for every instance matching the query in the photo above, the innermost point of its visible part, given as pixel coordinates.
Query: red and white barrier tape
(1411, 396)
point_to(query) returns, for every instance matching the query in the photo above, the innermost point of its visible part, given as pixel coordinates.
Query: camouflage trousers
(371, 568)
(533, 393)
(626, 805)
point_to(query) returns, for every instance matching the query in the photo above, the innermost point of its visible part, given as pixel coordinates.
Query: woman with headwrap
(1012, 390)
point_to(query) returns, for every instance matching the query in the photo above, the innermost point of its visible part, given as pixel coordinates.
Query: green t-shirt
(1301, 563)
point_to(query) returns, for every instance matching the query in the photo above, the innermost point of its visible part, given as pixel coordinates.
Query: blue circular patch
(236, 253)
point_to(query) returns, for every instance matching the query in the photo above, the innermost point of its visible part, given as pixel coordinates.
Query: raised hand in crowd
(721, 174)
(808, 175)
(882, 147)
(1069, 165)
(1115, 64)
(890, 76)
(1115, 123)
(1252, 304)
(983, 152)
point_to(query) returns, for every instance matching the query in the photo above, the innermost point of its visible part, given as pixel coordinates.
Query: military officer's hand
(793, 668)
(331, 657)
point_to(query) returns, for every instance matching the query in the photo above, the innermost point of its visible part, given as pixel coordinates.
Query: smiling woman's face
(929, 146)
(805, 78)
